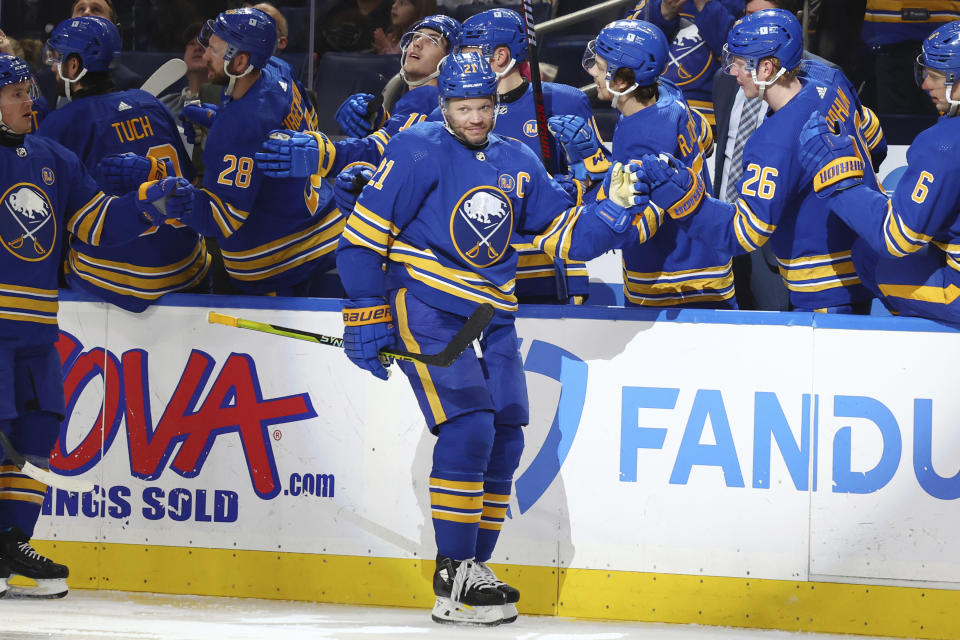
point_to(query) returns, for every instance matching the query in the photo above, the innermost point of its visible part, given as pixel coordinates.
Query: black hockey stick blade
(42, 475)
(470, 331)
(373, 109)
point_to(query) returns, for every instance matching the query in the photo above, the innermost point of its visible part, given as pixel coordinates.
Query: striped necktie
(748, 124)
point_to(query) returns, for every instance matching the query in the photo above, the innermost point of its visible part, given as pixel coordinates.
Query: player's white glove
(356, 113)
(124, 172)
(199, 114)
(627, 196)
(829, 155)
(295, 154)
(160, 200)
(674, 187)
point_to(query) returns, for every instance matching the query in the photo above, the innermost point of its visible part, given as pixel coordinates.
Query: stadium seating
(567, 53)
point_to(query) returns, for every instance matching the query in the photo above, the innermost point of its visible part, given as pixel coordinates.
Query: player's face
(91, 8)
(738, 69)
(16, 104)
(470, 118)
(935, 84)
(213, 59)
(427, 47)
(598, 71)
(193, 56)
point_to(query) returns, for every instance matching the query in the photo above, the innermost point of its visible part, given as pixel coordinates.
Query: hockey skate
(511, 594)
(465, 594)
(23, 560)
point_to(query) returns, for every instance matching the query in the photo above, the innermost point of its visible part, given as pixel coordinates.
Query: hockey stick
(42, 475)
(469, 332)
(168, 73)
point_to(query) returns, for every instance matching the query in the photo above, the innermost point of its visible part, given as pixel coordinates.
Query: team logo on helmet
(689, 56)
(481, 225)
(530, 128)
(27, 226)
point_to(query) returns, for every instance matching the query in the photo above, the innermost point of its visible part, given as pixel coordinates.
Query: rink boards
(748, 469)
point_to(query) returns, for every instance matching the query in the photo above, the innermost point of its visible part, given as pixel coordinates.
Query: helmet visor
(729, 61)
(205, 32)
(589, 60)
(50, 56)
(423, 38)
(921, 72)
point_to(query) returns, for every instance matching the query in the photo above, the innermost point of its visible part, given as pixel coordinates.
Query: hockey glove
(170, 198)
(350, 183)
(368, 328)
(356, 113)
(574, 186)
(627, 196)
(125, 172)
(294, 154)
(198, 114)
(580, 143)
(674, 187)
(830, 154)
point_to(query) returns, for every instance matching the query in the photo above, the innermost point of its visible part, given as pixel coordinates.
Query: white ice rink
(96, 615)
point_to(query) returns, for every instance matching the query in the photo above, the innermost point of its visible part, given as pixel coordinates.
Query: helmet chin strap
(619, 94)
(763, 84)
(500, 74)
(416, 83)
(954, 104)
(68, 82)
(234, 78)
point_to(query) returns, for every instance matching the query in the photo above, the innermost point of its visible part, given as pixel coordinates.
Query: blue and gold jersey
(445, 218)
(776, 202)
(47, 192)
(165, 259)
(273, 232)
(674, 268)
(890, 21)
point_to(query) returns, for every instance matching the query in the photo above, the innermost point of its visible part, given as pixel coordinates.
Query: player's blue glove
(199, 114)
(124, 172)
(355, 114)
(575, 134)
(674, 187)
(294, 154)
(350, 183)
(367, 329)
(829, 156)
(627, 196)
(160, 200)
(573, 186)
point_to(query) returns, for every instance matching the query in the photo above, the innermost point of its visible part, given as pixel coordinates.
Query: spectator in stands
(697, 31)
(123, 77)
(403, 15)
(349, 25)
(896, 34)
(196, 72)
(283, 30)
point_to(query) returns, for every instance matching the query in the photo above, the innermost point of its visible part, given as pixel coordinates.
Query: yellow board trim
(825, 607)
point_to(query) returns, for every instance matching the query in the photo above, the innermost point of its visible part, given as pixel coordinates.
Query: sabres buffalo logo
(481, 225)
(690, 57)
(27, 226)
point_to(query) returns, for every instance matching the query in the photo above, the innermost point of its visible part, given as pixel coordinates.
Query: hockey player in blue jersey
(429, 239)
(908, 249)
(674, 268)
(277, 235)
(498, 34)
(46, 193)
(776, 203)
(166, 259)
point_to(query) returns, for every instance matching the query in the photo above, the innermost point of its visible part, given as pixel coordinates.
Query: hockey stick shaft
(41, 475)
(469, 332)
(165, 75)
(546, 152)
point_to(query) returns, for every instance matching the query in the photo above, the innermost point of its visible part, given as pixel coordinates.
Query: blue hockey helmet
(94, 40)
(496, 28)
(629, 44)
(246, 30)
(941, 54)
(466, 75)
(771, 33)
(446, 26)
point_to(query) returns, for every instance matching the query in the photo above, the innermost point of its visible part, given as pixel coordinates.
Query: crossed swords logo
(484, 239)
(27, 233)
(675, 60)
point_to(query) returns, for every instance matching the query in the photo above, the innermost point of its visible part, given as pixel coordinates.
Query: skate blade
(45, 590)
(509, 613)
(445, 611)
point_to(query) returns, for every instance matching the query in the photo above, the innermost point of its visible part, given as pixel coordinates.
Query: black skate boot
(465, 594)
(512, 594)
(23, 560)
